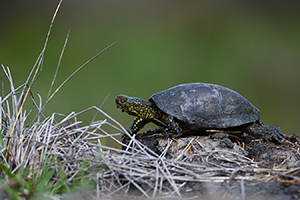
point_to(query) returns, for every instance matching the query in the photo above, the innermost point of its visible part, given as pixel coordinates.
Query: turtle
(197, 107)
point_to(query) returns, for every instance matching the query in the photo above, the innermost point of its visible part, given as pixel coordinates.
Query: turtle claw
(171, 135)
(276, 137)
(273, 137)
(168, 135)
(281, 135)
(178, 135)
(273, 134)
(276, 134)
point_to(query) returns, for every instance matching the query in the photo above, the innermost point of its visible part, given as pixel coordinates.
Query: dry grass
(138, 172)
(33, 146)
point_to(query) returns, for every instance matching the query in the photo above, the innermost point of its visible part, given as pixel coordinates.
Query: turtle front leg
(137, 124)
(266, 132)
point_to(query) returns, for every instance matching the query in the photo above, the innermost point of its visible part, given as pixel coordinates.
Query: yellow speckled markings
(146, 112)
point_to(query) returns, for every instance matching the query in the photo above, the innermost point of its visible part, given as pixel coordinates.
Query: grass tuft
(51, 155)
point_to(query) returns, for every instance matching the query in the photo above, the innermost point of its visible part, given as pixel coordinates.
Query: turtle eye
(122, 99)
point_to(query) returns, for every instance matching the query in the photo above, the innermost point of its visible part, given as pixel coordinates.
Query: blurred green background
(250, 47)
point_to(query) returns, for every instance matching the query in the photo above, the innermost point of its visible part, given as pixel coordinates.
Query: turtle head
(133, 105)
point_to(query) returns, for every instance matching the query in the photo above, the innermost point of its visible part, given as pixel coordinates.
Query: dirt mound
(213, 165)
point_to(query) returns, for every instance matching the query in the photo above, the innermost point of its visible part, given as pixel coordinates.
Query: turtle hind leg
(265, 132)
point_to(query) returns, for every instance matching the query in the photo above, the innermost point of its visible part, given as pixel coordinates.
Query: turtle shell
(203, 105)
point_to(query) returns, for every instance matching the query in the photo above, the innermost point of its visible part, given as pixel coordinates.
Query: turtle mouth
(120, 104)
